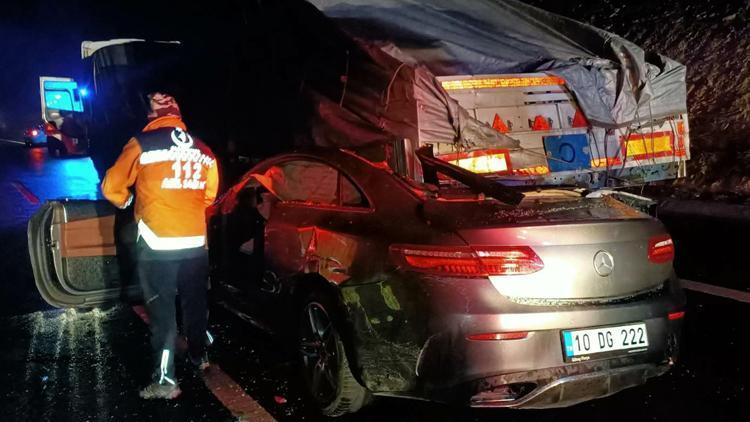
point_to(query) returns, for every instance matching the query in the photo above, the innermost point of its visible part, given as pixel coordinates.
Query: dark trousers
(163, 275)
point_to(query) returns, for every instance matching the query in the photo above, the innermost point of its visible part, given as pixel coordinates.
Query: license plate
(583, 345)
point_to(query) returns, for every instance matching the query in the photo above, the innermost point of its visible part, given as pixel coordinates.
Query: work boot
(160, 391)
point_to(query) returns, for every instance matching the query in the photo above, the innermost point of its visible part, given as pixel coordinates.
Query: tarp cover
(615, 82)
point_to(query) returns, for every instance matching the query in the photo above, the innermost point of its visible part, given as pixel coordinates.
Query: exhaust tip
(502, 394)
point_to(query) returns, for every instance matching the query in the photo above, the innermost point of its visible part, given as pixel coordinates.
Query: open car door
(82, 253)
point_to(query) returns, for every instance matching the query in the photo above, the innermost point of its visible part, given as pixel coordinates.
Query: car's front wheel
(325, 367)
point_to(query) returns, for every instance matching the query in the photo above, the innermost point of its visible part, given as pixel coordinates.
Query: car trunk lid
(592, 249)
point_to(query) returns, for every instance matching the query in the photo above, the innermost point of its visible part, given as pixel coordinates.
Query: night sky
(32, 44)
(43, 38)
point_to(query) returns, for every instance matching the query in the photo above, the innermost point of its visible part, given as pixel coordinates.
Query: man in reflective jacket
(175, 177)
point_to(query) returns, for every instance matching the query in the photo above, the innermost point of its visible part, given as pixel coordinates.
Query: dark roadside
(711, 231)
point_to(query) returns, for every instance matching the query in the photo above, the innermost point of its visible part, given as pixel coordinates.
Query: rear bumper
(532, 372)
(566, 390)
(412, 340)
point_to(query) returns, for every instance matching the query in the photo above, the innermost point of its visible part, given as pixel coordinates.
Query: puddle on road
(87, 366)
(65, 364)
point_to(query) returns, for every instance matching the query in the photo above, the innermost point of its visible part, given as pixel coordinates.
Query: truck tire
(325, 367)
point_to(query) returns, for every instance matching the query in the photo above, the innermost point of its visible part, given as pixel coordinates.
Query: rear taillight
(467, 262)
(499, 336)
(660, 249)
(34, 132)
(673, 316)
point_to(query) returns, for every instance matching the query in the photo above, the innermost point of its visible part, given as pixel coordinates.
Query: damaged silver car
(459, 290)
(447, 291)
(445, 236)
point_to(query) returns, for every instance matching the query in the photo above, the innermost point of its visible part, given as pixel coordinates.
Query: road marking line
(10, 141)
(233, 397)
(710, 289)
(26, 193)
(225, 389)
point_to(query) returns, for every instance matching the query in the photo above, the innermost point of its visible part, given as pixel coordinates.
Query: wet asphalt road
(71, 366)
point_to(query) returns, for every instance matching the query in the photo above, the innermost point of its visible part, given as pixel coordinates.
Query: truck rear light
(499, 336)
(50, 129)
(532, 171)
(481, 161)
(502, 82)
(660, 249)
(467, 262)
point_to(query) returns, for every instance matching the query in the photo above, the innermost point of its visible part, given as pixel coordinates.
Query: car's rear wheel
(325, 367)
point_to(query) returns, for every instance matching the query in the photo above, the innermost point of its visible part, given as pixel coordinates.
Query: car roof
(347, 161)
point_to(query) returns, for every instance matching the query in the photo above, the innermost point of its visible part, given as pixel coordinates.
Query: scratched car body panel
(348, 228)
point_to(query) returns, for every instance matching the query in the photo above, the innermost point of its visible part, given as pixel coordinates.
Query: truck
(536, 99)
(100, 107)
(513, 92)
(542, 113)
(62, 103)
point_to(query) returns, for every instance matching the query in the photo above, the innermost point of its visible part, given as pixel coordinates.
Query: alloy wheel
(319, 352)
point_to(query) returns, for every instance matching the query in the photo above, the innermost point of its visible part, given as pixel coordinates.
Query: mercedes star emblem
(604, 263)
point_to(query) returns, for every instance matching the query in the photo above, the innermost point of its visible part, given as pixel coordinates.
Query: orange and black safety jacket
(175, 177)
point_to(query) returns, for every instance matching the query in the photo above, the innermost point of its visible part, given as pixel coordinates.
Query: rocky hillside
(713, 39)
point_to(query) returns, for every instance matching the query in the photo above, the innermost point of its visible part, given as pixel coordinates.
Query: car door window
(350, 195)
(305, 181)
(313, 182)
